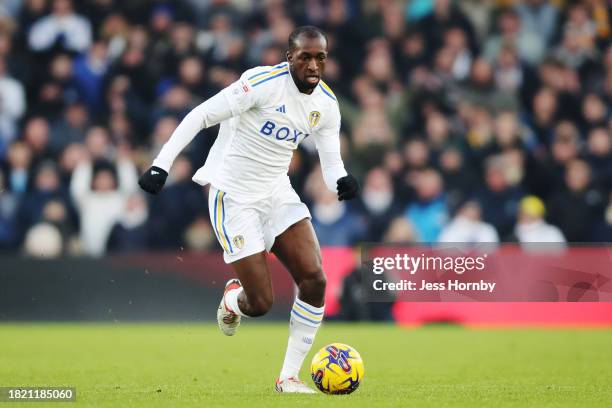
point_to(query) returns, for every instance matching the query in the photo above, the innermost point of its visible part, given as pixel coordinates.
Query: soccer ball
(337, 369)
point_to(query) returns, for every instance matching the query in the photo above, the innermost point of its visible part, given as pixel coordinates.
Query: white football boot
(227, 320)
(293, 385)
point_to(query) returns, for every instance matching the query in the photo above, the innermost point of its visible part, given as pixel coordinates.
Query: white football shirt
(264, 117)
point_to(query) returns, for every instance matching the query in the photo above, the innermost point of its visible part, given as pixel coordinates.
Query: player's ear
(289, 56)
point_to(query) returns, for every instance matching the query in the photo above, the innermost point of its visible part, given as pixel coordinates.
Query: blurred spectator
(43, 240)
(71, 128)
(130, 233)
(499, 199)
(539, 17)
(12, 106)
(69, 159)
(130, 77)
(578, 42)
(400, 231)
(429, 212)
(599, 156)
(200, 235)
(19, 159)
(515, 76)
(36, 136)
(529, 44)
(578, 205)
(98, 143)
(594, 111)
(481, 89)
(335, 223)
(223, 42)
(416, 154)
(542, 120)
(176, 207)
(467, 226)
(531, 226)
(100, 191)
(89, 71)
(437, 130)
(459, 177)
(31, 11)
(456, 41)
(565, 148)
(373, 126)
(354, 306)
(62, 27)
(57, 213)
(46, 187)
(182, 45)
(10, 7)
(602, 230)
(378, 203)
(191, 75)
(446, 14)
(8, 208)
(413, 53)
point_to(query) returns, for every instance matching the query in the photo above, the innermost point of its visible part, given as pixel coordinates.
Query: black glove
(153, 180)
(348, 188)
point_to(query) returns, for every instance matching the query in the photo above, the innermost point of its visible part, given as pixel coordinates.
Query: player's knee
(260, 305)
(313, 286)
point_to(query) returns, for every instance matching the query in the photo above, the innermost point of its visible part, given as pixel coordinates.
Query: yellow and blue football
(337, 369)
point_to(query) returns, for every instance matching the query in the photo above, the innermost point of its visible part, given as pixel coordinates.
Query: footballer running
(253, 209)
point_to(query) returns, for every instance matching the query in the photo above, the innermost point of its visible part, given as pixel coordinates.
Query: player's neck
(300, 87)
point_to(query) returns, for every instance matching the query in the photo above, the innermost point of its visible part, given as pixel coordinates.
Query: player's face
(307, 62)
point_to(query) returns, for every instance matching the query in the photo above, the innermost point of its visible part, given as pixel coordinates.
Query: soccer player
(253, 208)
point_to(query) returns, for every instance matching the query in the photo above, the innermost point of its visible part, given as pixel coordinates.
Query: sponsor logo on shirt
(270, 128)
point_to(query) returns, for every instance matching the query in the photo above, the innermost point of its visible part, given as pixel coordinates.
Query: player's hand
(153, 180)
(348, 188)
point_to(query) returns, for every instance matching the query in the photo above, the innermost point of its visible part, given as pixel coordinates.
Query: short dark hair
(308, 31)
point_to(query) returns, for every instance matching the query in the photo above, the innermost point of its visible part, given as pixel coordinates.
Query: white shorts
(246, 228)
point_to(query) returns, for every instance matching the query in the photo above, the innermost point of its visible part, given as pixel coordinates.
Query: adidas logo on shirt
(281, 109)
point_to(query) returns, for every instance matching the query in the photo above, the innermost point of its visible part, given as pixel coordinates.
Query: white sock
(303, 325)
(231, 301)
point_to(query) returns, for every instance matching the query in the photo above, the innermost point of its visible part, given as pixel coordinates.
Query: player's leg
(298, 249)
(254, 297)
(238, 229)
(249, 295)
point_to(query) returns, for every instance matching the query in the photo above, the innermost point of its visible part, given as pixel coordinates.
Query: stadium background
(478, 121)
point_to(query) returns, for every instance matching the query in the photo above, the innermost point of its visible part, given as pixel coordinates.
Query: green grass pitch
(194, 365)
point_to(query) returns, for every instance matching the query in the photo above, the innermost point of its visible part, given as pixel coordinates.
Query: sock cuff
(231, 301)
(307, 314)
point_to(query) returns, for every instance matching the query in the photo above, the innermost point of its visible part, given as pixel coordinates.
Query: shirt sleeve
(327, 140)
(230, 102)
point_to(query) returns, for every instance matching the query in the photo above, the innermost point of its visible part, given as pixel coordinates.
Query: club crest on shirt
(238, 241)
(313, 118)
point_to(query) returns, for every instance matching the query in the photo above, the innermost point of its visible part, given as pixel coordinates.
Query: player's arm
(335, 176)
(231, 101)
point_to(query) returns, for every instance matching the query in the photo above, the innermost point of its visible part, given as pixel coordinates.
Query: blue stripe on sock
(305, 318)
(306, 307)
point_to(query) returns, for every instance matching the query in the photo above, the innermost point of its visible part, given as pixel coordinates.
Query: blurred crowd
(466, 121)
